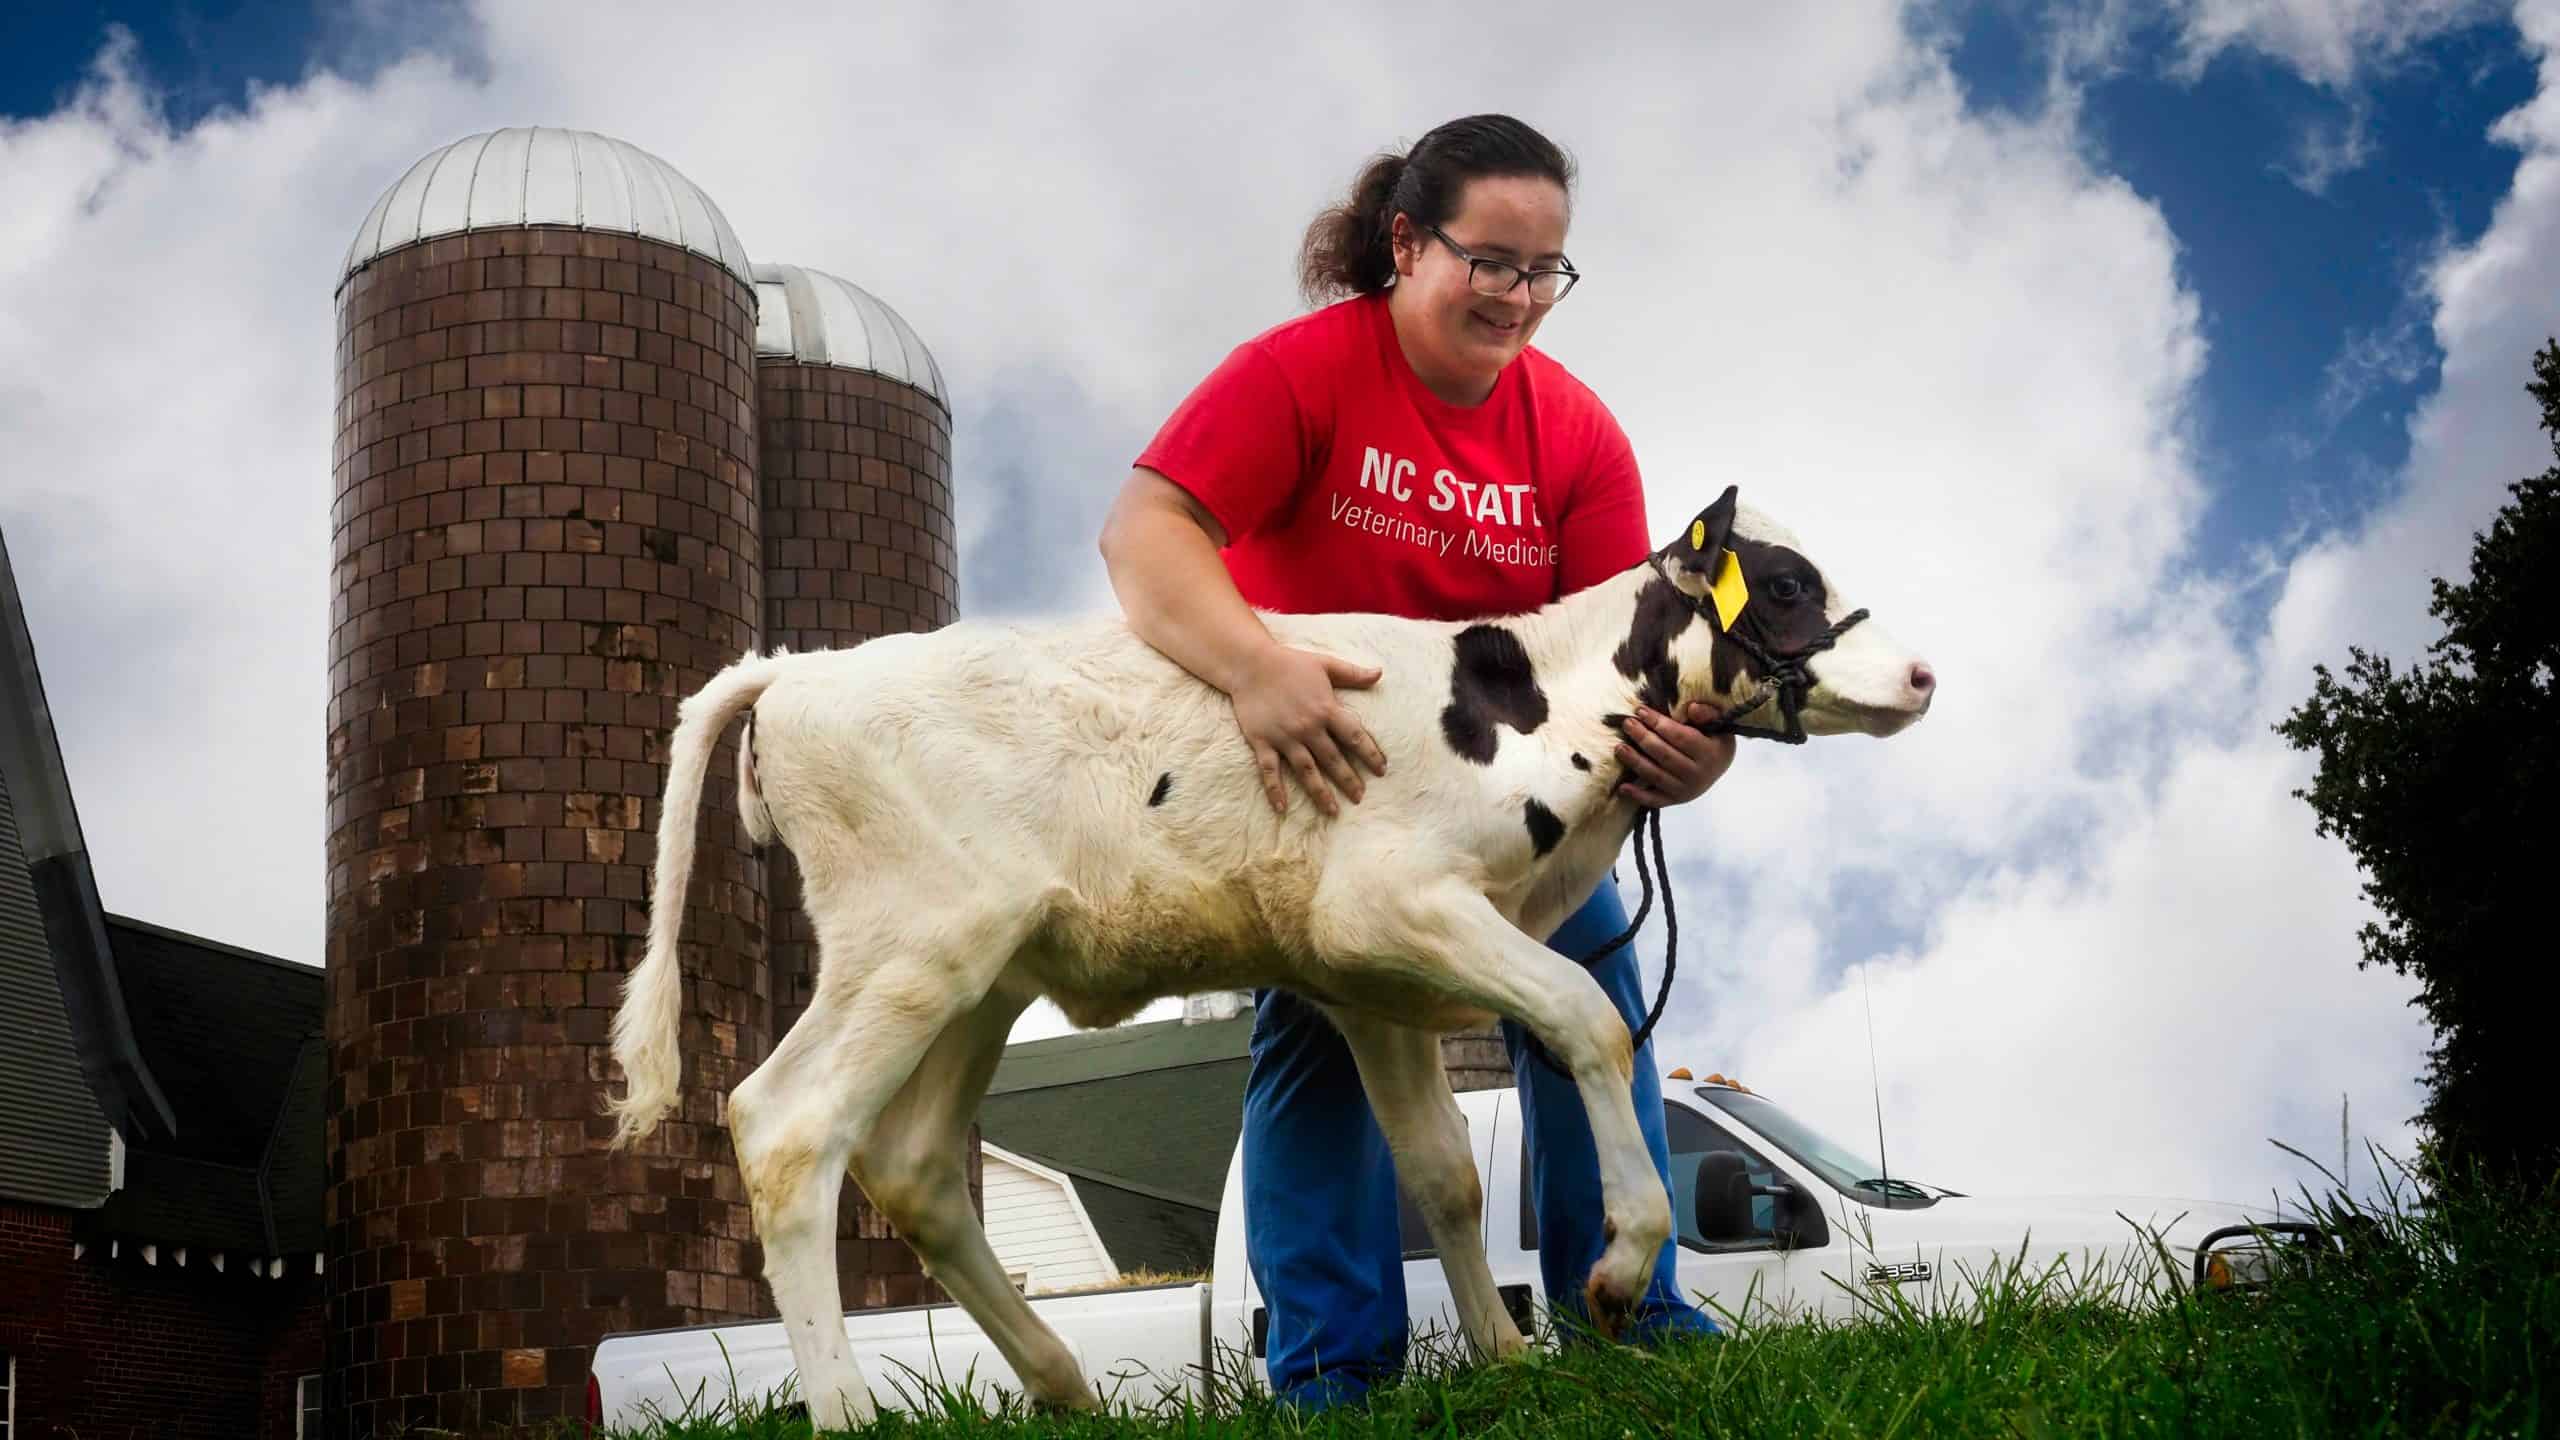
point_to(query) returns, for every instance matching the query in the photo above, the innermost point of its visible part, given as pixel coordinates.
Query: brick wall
(1476, 1060)
(859, 542)
(114, 1347)
(545, 534)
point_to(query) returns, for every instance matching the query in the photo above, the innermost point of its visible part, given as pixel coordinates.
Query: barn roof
(237, 1038)
(1144, 1119)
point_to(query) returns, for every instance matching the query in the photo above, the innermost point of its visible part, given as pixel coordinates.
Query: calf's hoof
(841, 1413)
(1073, 1398)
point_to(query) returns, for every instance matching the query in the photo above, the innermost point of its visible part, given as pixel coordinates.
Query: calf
(992, 813)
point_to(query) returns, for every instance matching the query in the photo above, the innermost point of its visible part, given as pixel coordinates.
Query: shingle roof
(1143, 1232)
(1121, 1050)
(1144, 1118)
(236, 1037)
(223, 1029)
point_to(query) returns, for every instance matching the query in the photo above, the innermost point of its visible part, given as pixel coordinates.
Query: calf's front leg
(1451, 939)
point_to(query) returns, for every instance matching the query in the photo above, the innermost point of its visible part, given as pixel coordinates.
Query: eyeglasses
(1501, 277)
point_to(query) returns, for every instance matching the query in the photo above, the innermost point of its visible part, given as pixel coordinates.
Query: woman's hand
(1286, 706)
(1161, 547)
(1668, 762)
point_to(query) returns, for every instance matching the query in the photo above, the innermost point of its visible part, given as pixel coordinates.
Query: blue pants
(1321, 1219)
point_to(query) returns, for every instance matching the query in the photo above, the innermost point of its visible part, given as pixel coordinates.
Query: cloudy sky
(2126, 364)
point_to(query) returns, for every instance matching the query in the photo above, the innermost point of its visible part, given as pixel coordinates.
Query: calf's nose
(1923, 679)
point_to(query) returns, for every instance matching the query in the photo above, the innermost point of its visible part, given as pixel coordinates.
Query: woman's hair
(1347, 250)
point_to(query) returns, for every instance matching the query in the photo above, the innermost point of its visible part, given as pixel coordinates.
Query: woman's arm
(1161, 547)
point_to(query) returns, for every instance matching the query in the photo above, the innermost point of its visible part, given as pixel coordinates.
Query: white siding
(1035, 1225)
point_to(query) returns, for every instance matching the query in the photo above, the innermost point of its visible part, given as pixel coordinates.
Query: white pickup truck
(1771, 1216)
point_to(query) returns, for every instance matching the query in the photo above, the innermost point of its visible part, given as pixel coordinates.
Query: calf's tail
(645, 1029)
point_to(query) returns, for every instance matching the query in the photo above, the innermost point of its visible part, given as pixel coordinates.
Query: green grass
(2440, 1320)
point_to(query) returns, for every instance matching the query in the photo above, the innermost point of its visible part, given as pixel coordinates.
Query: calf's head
(1734, 576)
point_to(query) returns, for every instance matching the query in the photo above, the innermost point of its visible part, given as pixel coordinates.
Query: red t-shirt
(1345, 485)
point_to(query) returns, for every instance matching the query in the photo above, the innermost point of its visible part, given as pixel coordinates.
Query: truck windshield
(1844, 1168)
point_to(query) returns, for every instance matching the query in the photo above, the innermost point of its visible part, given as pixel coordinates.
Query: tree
(2443, 783)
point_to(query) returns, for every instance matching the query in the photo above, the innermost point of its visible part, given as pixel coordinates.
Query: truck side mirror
(1796, 1222)
(1722, 1202)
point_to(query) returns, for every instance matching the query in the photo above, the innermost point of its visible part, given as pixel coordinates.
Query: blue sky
(200, 58)
(203, 55)
(2121, 559)
(2319, 348)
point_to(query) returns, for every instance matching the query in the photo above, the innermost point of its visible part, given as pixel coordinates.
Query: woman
(1402, 451)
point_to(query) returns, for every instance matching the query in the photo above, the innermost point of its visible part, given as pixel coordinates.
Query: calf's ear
(1700, 549)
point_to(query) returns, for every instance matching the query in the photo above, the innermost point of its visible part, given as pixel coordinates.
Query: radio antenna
(1875, 1076)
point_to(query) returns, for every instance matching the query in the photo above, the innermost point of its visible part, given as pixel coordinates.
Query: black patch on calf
(1164, 787)
(1783, 625)
(1724, 666)
(1579, 763)
(1491, 682)
(1545, 830)
(1662, 612)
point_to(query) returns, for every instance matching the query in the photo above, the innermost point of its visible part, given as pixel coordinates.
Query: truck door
(1730, 1259)
(1730, 1262)
(1428, 1303)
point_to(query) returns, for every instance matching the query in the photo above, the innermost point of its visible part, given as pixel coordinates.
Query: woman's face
(1457, 340)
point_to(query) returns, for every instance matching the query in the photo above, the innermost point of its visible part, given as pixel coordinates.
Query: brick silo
(855, 450)
(545, 534)
(858, 536)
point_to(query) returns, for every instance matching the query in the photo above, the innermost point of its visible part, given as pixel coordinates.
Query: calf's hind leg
(800, 1118)
(911, 1167)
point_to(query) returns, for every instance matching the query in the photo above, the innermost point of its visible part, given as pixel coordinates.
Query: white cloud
(2329, 41)
(2327, 148)
(2182, 995)
(1937, 343)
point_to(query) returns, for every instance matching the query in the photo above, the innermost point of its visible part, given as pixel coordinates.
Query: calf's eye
(1786, 587)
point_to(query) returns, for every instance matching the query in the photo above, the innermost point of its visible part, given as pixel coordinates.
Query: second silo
(855, 476)
(856, 480)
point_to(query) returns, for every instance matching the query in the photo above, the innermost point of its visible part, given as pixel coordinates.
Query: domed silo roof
(820, 319)
(543, 176)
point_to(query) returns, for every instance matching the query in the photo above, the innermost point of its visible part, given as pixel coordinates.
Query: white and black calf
(993, 813)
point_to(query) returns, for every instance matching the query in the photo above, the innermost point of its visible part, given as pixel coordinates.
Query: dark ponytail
(1349, 249)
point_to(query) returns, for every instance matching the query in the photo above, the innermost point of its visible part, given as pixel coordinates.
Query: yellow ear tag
(1729, 593)
(1697, 534)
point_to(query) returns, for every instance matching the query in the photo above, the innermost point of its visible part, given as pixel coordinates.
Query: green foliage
(2441, 780)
